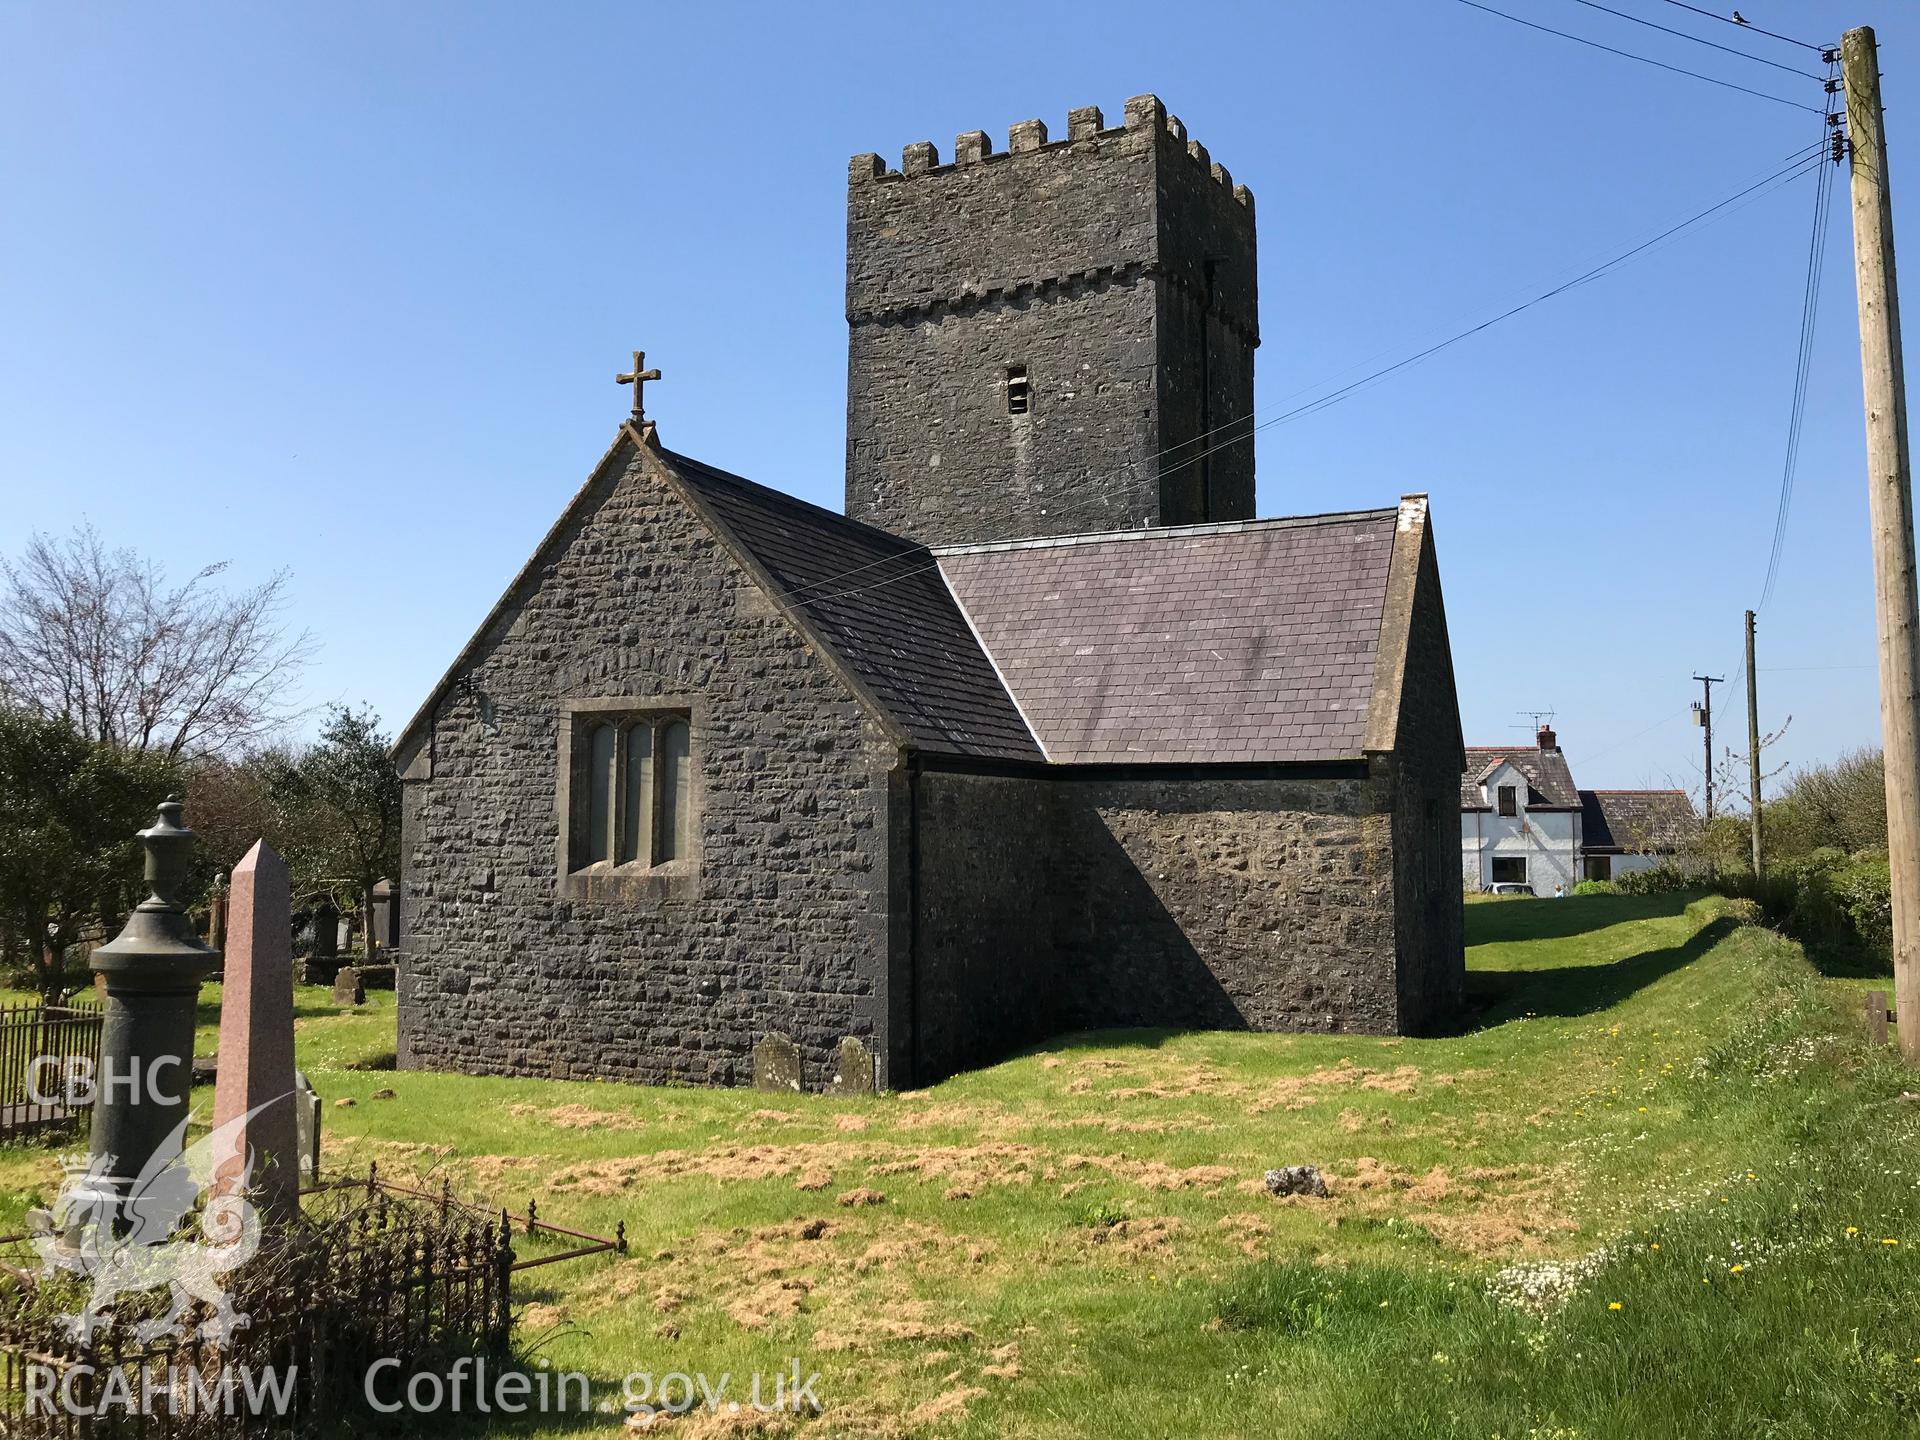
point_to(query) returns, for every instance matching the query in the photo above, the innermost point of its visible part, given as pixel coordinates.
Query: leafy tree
(1843, 804)
(69, 810)
(102, 639)
(340, 808)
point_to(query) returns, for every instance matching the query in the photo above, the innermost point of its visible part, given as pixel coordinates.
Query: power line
(1803, 365)
(1804, 160)
(1806, 152)
(1609, 749)
(1786, 175)
(1246, 423)
(1643, 59)
(1729, 20)
(1698, 40)
(1809, 158)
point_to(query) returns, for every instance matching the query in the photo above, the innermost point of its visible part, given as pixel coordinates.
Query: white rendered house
(1524, 822)
(1519, 817)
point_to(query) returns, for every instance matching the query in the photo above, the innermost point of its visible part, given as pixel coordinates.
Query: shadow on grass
(1141, 1039)
(1497, 996)
(1840, 960)
(1496, 921)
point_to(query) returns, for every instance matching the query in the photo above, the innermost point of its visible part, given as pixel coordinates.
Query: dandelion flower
(1853, 1229)
(1735, 1269)
(1613, 1305)
(1889, 1242)
(1654, 1246)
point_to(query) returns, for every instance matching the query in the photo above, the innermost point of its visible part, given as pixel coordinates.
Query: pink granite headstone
(256, 1033)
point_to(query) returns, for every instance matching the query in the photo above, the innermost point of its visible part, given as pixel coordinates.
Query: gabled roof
(1637, 822)
(889, 627)
(1263, 641)
(1548, 778)
(880, 605)
(1254, 641)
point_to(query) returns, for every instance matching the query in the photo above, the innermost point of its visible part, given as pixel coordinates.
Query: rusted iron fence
(413, 1285)
(39, 1046)
(530, 1224)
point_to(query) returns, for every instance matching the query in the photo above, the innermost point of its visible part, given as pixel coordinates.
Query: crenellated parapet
(1144, 115)
(1050, 331)
(1140, 198)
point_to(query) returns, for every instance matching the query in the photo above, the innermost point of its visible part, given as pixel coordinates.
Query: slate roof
(1249, 642)
(1254, 641)
(1548, 777)
(879, 602)
(1636, 822)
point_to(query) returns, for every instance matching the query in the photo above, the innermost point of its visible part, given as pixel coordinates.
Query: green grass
(1077, 1242)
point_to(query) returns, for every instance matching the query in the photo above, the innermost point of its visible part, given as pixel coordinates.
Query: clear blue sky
(342, 288)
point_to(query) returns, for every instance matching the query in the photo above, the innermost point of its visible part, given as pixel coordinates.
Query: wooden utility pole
(1753, 747)
(1705, 711)
(1891, 509)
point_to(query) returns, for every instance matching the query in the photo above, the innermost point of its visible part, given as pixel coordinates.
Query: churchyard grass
(1660, 1187)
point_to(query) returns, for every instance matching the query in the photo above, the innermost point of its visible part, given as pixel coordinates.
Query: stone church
(1045, 733)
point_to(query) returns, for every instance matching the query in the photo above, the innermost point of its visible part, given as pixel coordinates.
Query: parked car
(1509, 887)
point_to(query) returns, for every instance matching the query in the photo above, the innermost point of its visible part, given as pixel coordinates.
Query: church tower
(1052, 340)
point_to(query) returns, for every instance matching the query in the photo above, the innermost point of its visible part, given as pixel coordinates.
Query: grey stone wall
(1057, 903)
(1228, 903)
(1429, 910)
(987, 982)
(786, 924)
(1116, 266)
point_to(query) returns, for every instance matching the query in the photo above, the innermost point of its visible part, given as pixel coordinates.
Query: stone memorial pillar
(152, 970)
(256, 1075)
(386, 918)
(217, 916)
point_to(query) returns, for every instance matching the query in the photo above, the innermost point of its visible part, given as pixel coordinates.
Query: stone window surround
(630, 884)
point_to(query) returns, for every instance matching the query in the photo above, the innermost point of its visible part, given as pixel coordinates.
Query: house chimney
(1548, 740)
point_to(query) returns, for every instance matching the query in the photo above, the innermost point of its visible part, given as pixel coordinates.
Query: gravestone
(343, 936)
(853, 1069)
(347, 989)
(326, 931)
(386, 916)
(217, 918)
(306, 1117)
(776, 1064)
(255, 1081)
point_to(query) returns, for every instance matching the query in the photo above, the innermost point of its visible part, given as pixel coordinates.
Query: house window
(1509, 800)
(1509, 869)
(1016, 389)
(1599, 867)
(632, 791)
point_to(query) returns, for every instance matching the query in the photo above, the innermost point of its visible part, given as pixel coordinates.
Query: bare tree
(102, 639)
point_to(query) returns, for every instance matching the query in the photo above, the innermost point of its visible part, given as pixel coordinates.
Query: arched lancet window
(676, 786)
(600, 795)
(636, 807)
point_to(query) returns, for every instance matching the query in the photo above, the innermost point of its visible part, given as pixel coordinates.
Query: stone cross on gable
(638, 377)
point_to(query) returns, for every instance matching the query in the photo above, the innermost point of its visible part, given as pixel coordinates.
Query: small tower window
(1016, 389)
